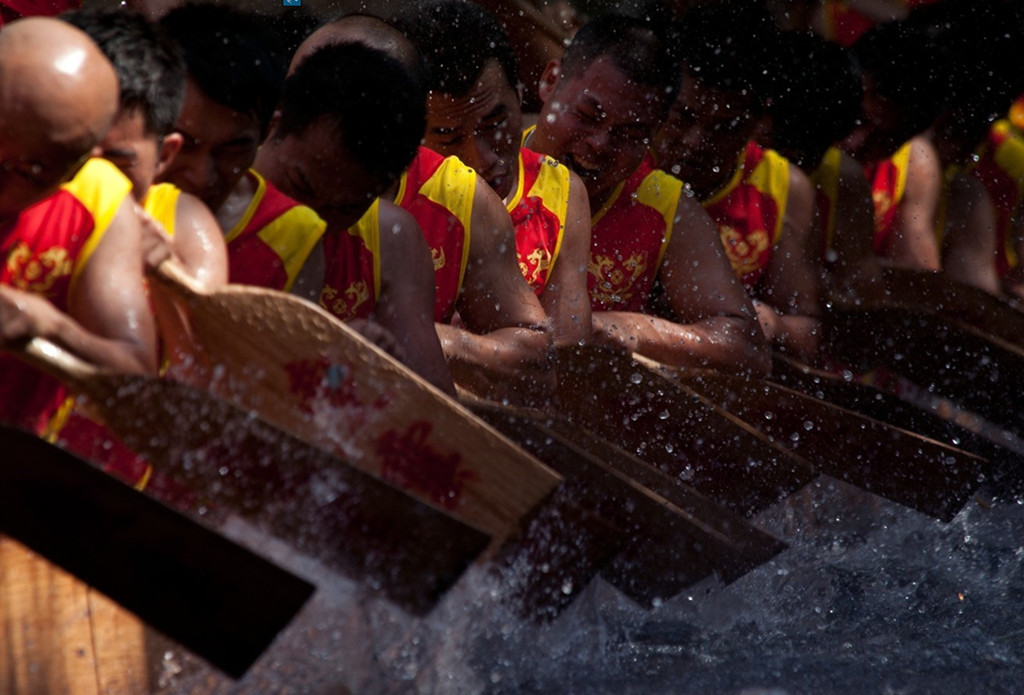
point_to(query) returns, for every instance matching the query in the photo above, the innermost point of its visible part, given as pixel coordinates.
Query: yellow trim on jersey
(1010, 155)
(453, 185)
(368, 229)
(771, 177)
(517, 194)
(552, 187)
(101, 188)
(292, 235)
(826, 179)
(902, 160)
(661, 191)
(162, 204)
(250, 210)
(734, 180)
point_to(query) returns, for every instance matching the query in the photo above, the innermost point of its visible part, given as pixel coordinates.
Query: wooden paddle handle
(171, 273)
(57, 362)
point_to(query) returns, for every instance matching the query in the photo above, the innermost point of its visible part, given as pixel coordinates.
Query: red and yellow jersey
(826, 194)
(888, 180)
(438, 192)
(85, 437)
(352, 272)
(538, 209)
(272, 240)
(999, 165)
(162, 205)
(44, 252)
(1016, 114)
(629, 235)
(750, 210)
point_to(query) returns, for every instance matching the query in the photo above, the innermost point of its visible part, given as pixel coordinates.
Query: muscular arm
(715, 324)
(506, 350)
(969, 249)
(405, 306)
(199, 242)
(788, 297)
(109, 322)
(565, 298)
(913, 244)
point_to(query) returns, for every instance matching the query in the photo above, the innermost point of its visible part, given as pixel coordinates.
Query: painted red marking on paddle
(410, 462)
(322, 381)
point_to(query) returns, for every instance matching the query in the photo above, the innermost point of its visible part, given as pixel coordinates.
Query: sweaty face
(598, 123)
(313, 168)
(132, 150)
(219, 147)
(704, 134)
(481, 128)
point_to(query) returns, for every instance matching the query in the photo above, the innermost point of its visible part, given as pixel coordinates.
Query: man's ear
(272, 126)
(549, 79)
(169, 148)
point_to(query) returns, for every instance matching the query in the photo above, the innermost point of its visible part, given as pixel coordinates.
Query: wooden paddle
(975, 370)
(308, 374)
(886, 407)
(339, 515)
(217, 599)
(673, 536)
(921, 473)
(935, 293)
(677, 431)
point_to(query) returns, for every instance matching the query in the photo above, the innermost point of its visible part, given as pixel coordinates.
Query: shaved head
(56, 87)
(372, 32)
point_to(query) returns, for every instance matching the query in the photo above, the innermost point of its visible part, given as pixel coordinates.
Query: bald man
(73, 275)
(73, 271)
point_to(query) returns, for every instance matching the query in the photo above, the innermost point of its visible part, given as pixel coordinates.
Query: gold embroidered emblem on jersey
(437, 256)
(744, 251)
(615, 280)
(37, 274)
(540, 261)
(347, 303)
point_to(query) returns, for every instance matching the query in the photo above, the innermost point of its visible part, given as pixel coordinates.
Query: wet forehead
(607, 90)
(210, 122)
(490, 96)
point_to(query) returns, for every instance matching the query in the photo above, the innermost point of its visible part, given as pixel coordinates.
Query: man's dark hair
(899, 59)
(149, 66)
(816, 96)
(633, 45)
(457, 38)
(727, 46)
(371, 100)
(234, 57)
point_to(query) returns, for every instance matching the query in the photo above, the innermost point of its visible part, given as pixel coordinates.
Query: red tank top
(538, 210)
(272, 241)
(749, 211)
(44, 252)
(888, 182)
(438, 192)
(629, 236)
(352, 272)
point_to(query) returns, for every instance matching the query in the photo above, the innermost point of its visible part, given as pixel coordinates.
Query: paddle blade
(217, 599)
